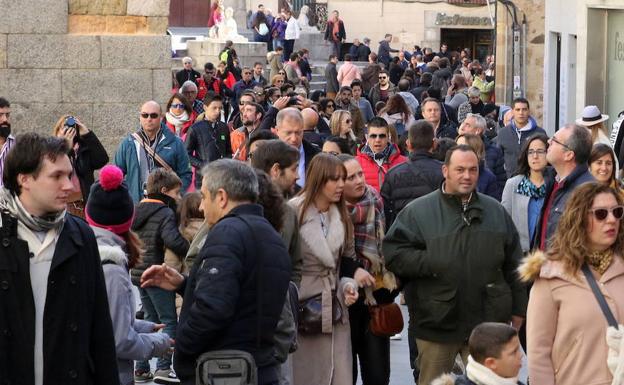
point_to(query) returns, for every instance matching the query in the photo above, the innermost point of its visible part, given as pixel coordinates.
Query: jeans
(373, 351)
(336, 45)
(278, 43)
(159, 307)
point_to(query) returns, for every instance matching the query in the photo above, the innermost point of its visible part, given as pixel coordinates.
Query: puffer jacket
(373, 172)
(207, 141)
(410, 180)
(134, 339)
(155, 223)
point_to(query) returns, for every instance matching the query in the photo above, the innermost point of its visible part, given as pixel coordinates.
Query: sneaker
(165, 376)
(141, 376)
(396, 337)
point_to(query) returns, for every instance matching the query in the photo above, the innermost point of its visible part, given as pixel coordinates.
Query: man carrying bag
(234, 294)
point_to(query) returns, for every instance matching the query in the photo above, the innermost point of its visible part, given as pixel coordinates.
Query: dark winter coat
(331, 77)
(495, 162)
(205, 142)
(91, 156)
(459, 264)
(225, 306)
(579, 176)
(362, 53)
(487, 183)
(383, 53)
(79, 345)
(184, 75)
(341, 31)
(155, 223)
(410, 180)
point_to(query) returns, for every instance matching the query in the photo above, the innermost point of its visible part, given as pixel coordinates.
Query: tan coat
(323, 359)
(565, 327)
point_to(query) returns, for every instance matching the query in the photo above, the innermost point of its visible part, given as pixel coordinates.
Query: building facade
(584, 58)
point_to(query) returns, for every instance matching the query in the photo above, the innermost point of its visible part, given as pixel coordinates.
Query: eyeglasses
(375, 136)
(536, 152)
(153, 115)
(259, 93)
(601, 213)
(178, 105)
(553, 139)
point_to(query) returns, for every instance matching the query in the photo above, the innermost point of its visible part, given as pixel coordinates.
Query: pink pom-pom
(110, 177)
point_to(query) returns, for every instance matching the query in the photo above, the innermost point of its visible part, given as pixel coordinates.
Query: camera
(293, 101)
(70, 122)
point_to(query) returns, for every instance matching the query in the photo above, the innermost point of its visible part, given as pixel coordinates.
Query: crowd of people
(274, 227)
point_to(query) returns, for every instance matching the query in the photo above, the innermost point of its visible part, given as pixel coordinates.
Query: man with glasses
(235, 118)
(189, 90)
(379, 154)
(511, 137)
(383, 90)
(568, 152)
(152, 146)
(187, 73)
(246, 83)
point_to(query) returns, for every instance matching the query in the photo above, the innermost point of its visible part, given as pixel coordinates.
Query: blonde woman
(341, 125)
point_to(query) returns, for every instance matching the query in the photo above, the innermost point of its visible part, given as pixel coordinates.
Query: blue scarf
(527, 188)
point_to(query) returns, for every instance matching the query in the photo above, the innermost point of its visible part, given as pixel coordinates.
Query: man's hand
(162, 276)
(281, 102)
(363, 278)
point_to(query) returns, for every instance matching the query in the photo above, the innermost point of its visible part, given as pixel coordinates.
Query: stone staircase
(318, 73)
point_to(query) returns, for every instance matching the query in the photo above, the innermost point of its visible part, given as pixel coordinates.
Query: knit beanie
(110, 206)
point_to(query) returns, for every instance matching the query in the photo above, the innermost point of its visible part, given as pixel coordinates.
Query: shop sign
(457, 19)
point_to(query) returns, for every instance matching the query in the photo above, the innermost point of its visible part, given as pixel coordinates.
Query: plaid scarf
(384, 154)
(368, 220)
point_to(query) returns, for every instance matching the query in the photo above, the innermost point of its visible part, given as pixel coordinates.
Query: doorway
(480, 41)
(189, 13)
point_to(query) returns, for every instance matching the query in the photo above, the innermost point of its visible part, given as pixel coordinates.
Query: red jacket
(374, 173)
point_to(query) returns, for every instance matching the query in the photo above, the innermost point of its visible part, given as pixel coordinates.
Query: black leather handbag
(310, 314)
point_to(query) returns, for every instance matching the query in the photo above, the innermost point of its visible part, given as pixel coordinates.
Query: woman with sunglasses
(327, 107)
(602, 165)
(523, 195)
(330, 275)
(86, 154)
(566, 327)
(180, 115)
(341, 124)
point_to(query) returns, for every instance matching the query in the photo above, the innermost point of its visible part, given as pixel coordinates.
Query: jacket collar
(473, 210)
(69, 242)
(577, 173)
(245, 209)
(420, 154)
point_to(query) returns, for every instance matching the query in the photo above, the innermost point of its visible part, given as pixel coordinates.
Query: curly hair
(569, 243)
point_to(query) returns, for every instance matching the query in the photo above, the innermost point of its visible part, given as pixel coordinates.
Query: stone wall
(533, 70)
(96, 59)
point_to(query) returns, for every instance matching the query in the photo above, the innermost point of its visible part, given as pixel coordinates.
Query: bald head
(310, 119)
(150, 117)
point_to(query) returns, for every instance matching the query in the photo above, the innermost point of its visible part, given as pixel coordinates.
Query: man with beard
(289, 128)
(344, 101)
(6, 139)
(379, 154)
(251, 114)
(383, 90)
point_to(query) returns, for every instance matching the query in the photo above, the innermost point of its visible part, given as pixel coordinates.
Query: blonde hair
(569, 243)
(596, 129)
(476, 143)
(336, 121)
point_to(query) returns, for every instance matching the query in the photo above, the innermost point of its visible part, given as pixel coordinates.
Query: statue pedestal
(314, 42)
(208, 51)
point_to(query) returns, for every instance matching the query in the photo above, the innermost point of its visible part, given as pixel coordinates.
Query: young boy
(156, 225)
(495, 357)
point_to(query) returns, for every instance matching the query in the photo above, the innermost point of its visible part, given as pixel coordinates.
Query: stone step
(317, 86)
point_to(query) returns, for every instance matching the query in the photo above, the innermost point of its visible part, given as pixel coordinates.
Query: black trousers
(289, 45)
(373, 351)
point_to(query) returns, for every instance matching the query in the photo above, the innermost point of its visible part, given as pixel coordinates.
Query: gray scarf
(12, 204)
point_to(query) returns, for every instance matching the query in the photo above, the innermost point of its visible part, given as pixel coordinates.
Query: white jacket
(292, 29)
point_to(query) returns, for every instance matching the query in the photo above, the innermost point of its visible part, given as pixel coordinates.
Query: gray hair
(479, 121)
(188, 85)
(473, 92)
(236, 178)
(288, 113)
(187, 59)
(579, 142)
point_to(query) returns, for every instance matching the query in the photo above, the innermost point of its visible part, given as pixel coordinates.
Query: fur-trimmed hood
(530, 267)
(111, 247)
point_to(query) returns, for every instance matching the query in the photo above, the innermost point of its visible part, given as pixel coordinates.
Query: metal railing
(317, 15)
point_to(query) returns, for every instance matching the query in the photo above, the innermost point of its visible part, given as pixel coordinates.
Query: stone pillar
(240, 12)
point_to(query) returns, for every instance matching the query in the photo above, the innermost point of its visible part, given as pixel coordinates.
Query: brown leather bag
(310, 319)
(386, 319)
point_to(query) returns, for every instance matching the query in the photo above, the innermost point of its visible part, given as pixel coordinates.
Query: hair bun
(111, 177)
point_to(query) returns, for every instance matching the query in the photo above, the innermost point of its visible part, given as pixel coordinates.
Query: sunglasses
(330, 106)
(153, 115)
(601, 214)
(380, 136)
(178, 105)
(383, 77)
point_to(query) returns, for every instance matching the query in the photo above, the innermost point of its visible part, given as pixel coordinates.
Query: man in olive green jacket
(457, 251)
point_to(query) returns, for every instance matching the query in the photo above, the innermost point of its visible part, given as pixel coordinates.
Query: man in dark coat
(55, 317)
(383, 53)
(223, 308)
(331, 77)
(364, 50)
(187, 73)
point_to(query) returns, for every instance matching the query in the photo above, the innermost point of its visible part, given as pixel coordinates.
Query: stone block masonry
(96, 59)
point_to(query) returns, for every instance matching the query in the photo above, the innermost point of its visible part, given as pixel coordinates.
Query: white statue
(304, 22)
(228, 29)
